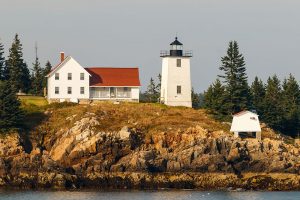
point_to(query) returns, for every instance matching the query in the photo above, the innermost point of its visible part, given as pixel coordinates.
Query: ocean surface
(145, 195)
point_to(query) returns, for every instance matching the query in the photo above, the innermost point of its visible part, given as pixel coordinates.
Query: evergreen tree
(273, 104)
(195, 99)
(37, 78)
(151, 92)
(258, 92)
(46, 71)
(214, 99)
(158, 86)
(16, 70)
(10, 113)
(2, 60)
(235, 79)
(291, 105)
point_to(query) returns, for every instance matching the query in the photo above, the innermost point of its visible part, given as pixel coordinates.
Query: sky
(130, 33)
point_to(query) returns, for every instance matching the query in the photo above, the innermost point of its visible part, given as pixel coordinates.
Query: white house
(69, 81)
(246, 122)
(176, 76)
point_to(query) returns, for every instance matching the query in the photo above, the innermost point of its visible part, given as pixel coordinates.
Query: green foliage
(16, 70)
(10, 113)
(158, 86)
(60, 105)
(291, 106)
(46, 71)
(196, 100)
(2, 61)
(37, 78)
(273, 108)
(152, 94)
(258, 92)
(235, 79)
(214, 99)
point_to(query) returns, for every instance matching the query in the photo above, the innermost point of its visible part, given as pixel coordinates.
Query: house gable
(65, 88)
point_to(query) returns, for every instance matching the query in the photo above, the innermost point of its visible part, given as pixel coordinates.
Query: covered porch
(110, 93)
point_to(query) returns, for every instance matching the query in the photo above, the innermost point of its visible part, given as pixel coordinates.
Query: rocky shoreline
(82, 156)
(146, 181)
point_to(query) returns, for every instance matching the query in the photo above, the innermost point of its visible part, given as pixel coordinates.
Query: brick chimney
(62, 56)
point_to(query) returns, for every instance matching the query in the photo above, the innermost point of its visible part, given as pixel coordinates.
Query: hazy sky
(124, 33)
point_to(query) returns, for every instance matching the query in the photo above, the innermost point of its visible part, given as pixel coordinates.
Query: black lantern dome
(176, 48)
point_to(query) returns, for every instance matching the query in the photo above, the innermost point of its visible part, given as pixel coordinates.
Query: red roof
(108, 76)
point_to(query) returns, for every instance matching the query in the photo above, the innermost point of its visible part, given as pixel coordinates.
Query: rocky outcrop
(84, 156)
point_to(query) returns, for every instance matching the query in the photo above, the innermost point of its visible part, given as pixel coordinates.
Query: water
(146, 195)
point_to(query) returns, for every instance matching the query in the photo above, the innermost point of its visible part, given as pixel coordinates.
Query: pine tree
(291, 104)
(195, 99)
(37, 79)
(258, 92)
(2, 60)
(16, 70)
(10, 113)
(151, 92)
(158, 86)
(46, 71)
(273, 104)
(214, 99)
(235, 79)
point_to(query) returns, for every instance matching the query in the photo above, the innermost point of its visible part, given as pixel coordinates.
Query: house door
(112, 92)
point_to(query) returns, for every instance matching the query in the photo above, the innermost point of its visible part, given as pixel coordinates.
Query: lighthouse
(176, 76)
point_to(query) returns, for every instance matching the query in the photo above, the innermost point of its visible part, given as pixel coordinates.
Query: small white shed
(246, 122)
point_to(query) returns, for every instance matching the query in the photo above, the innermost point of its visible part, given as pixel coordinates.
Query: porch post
(236, 134)
(258, 135)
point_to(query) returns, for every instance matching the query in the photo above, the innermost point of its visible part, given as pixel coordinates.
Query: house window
(69, 90)
(81, 76)
(81, 90)
(178, 62)
(56, 76)
(69, 76)
(56, 90)
(178, 89)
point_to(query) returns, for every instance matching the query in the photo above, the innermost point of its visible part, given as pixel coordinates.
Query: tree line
(15, 70)
(277, 103)
(15, 76)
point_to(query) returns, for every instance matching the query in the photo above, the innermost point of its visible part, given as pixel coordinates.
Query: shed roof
(245, 121)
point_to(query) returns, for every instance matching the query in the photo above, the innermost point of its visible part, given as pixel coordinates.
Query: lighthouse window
(178, 62)
(178, 89)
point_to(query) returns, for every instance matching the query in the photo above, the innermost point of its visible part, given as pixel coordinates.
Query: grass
(149, 118)
(33, 100)
(34, 107)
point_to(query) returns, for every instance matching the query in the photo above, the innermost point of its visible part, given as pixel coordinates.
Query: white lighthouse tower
(176, 76)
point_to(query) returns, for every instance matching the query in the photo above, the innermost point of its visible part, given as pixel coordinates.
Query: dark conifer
(16, 70)
(258, 92)
(2, 61)
(37, 79)
(158, 86)
(151, 92)
(10, 113)
(196, 101)
(235, 79)
(214, 99)
(291, 105)
(273, 104)
(46, 71)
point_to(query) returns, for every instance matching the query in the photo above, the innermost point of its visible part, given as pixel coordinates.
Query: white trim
(63, 63)
(116, 86)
